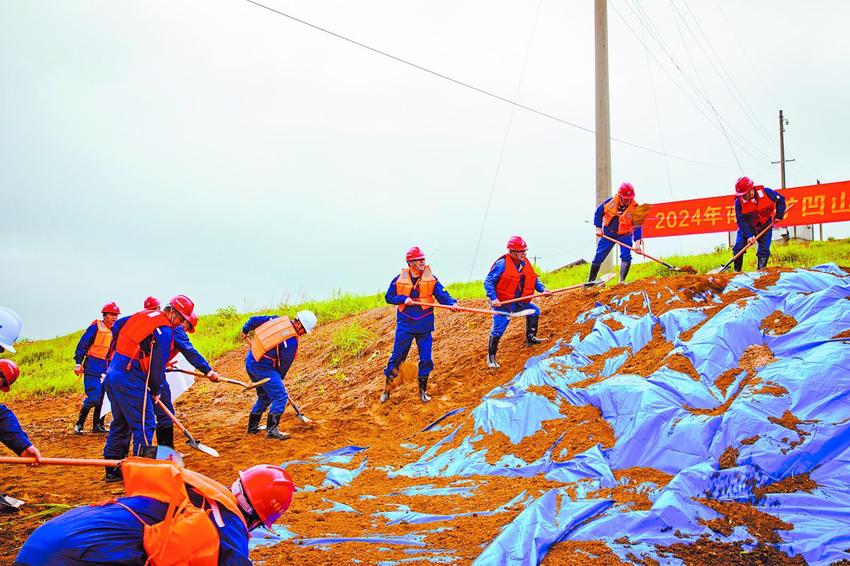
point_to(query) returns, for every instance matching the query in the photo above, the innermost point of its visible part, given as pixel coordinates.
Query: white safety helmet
(10, 328)
(307, 319)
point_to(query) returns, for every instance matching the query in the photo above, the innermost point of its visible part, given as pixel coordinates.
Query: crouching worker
(274, 344)
(170, 515)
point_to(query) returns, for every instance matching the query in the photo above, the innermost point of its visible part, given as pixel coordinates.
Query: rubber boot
(254, 423)
(762, 261)
(97, 422)
(594, 272)
(492, 347)
(739, 263)
(531, 338)
(624, 270)
(113, 474)
(272, 430)
(165, 436)
(81, 420)
(423, 389)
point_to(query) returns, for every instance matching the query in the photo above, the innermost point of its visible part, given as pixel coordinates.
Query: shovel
(723, 268)
(601, 281)
(518, 314)
(655, 259)
(245, 386)
(298, 412)
(190, 440)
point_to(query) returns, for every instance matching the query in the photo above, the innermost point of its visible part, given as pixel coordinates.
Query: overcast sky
(223, 151)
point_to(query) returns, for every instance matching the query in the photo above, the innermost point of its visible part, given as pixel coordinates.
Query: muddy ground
(342, 399)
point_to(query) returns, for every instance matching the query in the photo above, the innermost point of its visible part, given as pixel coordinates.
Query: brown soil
(727, 378)
(778, 323)
(844, 333)
(707, 551)
(347, 412)
(770, 388)
(754, 357)
(632, 492)
(729, 458)
(614, 325)
(759, 524)
(791, 422)
(750, 440)
(791, 484)
(770, 278)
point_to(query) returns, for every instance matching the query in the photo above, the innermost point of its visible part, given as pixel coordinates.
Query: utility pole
(603, 116)
(782, 123)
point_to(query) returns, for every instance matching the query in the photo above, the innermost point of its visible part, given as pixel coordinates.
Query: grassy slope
(46, 364)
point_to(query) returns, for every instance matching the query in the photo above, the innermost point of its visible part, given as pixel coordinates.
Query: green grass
(46, 365)
(350, 342)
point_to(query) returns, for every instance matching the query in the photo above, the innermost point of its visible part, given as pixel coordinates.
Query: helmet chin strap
(245, 506)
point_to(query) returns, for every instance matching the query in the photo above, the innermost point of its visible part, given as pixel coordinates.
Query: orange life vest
(404, 286)
(138, 327)
(187, 534)
(271, 334)
(510, 280)
(612, 210)
(761, 207)
(100, 346)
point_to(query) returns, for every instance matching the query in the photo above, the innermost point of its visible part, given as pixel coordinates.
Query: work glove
(496, 303)
(751, 240)
(155, 398)
(547, 293)
(599, 232)
(213, 376)
(639, 246)
(408, 301)
(454, 306)
(32, 452)
(78, 369)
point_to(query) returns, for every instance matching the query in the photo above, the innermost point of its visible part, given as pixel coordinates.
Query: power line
(477, 89)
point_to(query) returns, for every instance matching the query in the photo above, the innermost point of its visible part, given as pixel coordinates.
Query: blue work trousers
(401, 347)
(162, 419)
(94, 390)
(500, 322)
(603, 247)
(128, 394)
(272, 395)
(763, 243)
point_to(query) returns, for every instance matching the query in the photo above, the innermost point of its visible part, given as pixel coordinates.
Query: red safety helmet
(110, 308)
(183, 305)
(193, 322)
(414, 253)
(743, 186)
(151, 303)
(517, 244)
(268, 490)
(626, 190)
(9, 372)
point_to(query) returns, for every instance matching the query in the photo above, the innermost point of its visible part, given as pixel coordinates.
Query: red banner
(814, 204)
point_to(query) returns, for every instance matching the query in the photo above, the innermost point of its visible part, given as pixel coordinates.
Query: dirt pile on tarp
(453, 517)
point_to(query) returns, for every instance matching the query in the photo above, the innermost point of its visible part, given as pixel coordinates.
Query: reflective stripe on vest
(271, 334)
(404, 286)
(761, 206)
(509, 282)
(187, 534)
(612, 210)
(135, 330)
(102, 339)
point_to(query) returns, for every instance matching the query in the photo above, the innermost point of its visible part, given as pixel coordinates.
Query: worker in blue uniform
(415, 283)
(756, 207)
(210, 526)
(614, 218)
(90, 359)
(11, 433)
(180, 345)
(141, 350)
(274, 345)
(510, 277)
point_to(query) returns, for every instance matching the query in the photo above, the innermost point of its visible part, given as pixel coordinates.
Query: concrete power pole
(782, 147)
(603, 116)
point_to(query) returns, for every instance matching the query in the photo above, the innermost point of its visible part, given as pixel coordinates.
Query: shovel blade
(303, 419)
(203, 448)
(716, 270)
(256, 384)
(522, 313)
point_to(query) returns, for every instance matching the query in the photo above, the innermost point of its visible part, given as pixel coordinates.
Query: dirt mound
(778, 323)
(342, 400)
